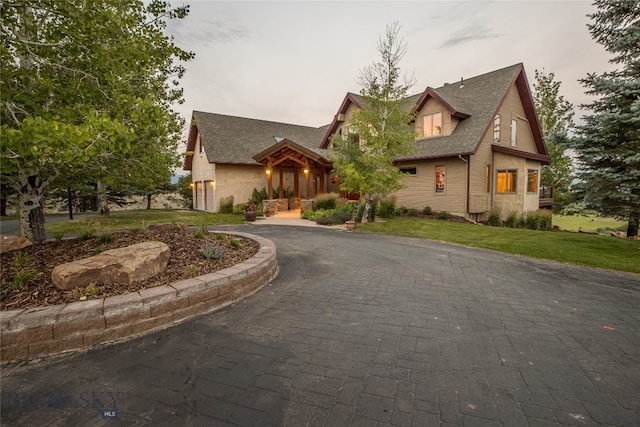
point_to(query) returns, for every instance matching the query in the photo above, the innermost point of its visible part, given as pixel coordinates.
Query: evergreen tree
(608, 144)
(556, 119)
(381, 131)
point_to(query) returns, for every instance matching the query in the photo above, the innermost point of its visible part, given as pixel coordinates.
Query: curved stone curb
(38, 332)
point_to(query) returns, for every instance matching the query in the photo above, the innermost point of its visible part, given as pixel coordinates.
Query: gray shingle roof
(480, 98)
(231, 139)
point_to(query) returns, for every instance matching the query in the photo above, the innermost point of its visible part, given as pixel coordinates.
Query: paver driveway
(368, 330)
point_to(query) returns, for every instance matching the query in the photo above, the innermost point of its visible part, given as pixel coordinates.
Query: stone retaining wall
(29, 334)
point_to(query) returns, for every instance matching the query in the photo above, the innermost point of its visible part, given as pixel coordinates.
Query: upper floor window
(532, 181)
(353, 136)
(507, 181)
(514, 131)
(432, 124)
(496, 128)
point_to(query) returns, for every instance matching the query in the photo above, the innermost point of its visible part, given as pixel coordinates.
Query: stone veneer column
(306, 205)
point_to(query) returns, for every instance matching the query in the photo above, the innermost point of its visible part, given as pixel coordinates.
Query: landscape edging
(45, 331)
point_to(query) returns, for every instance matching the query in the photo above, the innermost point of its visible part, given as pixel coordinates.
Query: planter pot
(351, 225)
(250, 215)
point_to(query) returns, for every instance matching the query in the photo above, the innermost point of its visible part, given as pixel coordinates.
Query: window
(507, 181)
(353, 136)
(439, 179)
(409, 171)
(496, 128)
(487, 178)
(532, 181)
(514, 132)
(432, 124)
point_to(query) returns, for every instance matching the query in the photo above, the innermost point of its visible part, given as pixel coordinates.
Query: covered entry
(293, 166)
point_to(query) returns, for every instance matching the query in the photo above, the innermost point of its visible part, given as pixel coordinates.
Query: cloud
(206, 32)
(470, 34)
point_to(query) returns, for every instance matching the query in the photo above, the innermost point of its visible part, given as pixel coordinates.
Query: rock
(620, 234)
(13, 243)
(130, 264)
(168, 226)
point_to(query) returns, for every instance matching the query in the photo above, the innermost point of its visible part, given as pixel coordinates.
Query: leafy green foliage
(387, 207)
(383, 127)
(325, 201)
(184, 189)
(226, 205)
(215, 251)
(443, 215)
(87, 93)
(556, 119)
(512, 220)
(427, 210)
(494, 219)
(608, 144)
(201, 233)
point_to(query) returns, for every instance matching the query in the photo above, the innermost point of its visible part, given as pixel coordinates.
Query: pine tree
(608, 144)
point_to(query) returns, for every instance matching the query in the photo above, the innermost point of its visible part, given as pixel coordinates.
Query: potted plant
(250, 211)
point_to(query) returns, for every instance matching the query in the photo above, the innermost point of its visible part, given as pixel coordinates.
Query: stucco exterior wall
(238, 181)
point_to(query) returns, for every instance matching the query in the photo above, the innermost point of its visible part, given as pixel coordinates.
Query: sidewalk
(293, 218)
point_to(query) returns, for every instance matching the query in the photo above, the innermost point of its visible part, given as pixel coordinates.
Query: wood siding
(420, 189)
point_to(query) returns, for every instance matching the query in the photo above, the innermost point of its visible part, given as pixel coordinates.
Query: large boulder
(13, 243)
(131, 264)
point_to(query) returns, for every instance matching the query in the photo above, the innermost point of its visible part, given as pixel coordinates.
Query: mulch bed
(186, 261)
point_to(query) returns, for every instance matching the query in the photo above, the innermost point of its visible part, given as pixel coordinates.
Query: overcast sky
(294, 62)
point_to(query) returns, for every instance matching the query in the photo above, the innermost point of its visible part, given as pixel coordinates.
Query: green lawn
(588, 223)
(582, 249)
(137, 219)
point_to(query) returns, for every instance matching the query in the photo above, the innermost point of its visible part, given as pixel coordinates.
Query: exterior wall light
(268, 172)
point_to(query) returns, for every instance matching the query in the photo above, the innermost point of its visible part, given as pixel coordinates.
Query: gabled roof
(476, 103)
(230, 139)
(286, 151)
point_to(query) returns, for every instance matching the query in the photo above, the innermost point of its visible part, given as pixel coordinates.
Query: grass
(574, 248)
(133, 219)
(588, 223)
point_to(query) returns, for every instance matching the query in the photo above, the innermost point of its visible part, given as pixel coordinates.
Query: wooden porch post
(269, 182)
(323, 189)
(296, 182)
(281, 189)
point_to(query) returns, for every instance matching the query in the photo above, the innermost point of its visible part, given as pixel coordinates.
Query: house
(478, 146)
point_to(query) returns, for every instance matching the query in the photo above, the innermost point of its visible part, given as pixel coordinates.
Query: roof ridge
(257, 120)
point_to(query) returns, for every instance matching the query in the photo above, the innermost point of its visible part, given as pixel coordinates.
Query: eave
(545, 159)
(430, 93)
(348, 100)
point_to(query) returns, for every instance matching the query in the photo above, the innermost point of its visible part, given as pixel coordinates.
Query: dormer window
(432, 125)
(496, 128)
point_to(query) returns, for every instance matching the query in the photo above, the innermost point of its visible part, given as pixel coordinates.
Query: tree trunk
(70, 202)
(31, 212)
(367, 208)
(149, 201)
(632, 227)
(3, 206)
(103, 207)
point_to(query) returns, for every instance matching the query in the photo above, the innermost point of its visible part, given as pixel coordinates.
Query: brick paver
(366, 330)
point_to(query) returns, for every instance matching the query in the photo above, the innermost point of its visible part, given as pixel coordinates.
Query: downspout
(466, 208)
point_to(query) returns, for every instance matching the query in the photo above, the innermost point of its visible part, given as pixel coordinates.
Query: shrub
(310, 215)
(325, 201)
(512, 220)
(21, 259)
(239, 209)
(213, 251)
(494, 218)
(105, 238)
(443, 215)
(19, 281)
(412, 212)
(258, 196)
(103, 247)
(201, 233)
(538, 220)
(426, 210)
(58, 235)
(333, 217)
(226, 205)
(235, 243)
(387, 207)
(191, 270)
(86, 235)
